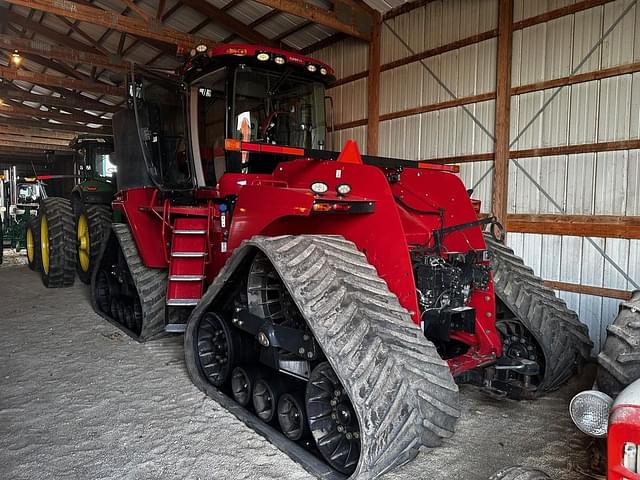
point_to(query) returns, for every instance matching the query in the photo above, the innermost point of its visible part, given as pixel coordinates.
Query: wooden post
(503, 112)
(373, 88)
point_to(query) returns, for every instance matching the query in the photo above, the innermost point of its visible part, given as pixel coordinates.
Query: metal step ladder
(187, 262)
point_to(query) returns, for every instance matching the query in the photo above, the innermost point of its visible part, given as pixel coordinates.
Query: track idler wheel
(216, 348)
(332, 420)
(292, 416)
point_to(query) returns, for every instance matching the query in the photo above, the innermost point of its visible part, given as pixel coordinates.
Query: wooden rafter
(43, 146)
(112, 20)
(35, 132)
(6, 92)
(62, 82)
(33, 140)
(359, 26)
(23, 122)
(16, 109)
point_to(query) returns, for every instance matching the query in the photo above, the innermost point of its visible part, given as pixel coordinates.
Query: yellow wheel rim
(31, 247)
(44, 243)
(84, 243)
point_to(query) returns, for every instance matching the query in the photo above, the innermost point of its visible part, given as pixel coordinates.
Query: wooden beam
(558, 13)
(19, 110)
(357, 24)
(135, 8)
(503, 112)
(576, 149)
(219, 16)
(109, 19)
(61, 53)
(373, 89)
(23, 122)
(589, 290)
(36, 132)
(7, 143)
(457, 102)
(15, 93)
(61, 82)
(605, 226)
(33, 140)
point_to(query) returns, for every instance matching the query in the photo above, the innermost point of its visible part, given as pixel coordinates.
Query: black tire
(619, 360)
(522, 297)
(96, 219)
(519, 473)
(56, 217)
(34, 252)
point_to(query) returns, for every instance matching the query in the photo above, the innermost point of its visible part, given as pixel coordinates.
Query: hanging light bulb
(16, 58)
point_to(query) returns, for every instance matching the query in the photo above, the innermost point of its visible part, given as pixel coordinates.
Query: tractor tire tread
(62, 242)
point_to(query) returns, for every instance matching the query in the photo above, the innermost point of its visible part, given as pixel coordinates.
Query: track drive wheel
(91, 223)
(619, 360)
(519, 473)
(535, 324)
(57, 243)
(33, 244)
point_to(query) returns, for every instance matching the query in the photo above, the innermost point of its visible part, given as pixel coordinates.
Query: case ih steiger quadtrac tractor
(328, 299)
(69, 232)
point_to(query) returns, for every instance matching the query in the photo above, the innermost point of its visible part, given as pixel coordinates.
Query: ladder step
(175, 328)
(189, 232)
(188, 254)
(182, 302)
(186, 278)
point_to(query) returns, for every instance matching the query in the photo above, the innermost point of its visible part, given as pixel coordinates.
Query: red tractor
(330, 300)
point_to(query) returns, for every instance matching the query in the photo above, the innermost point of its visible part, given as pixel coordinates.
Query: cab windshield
(103, 166)
(278, 107)
(28, 193)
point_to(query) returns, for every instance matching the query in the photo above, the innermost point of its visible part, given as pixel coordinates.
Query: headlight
(323, 71)
(201, 48)
(263, 57)
(279, 60)
(590, 412)
(319, 187)
(311, 68)
(343, 189)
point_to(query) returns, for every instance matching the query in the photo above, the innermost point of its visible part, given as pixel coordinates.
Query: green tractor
(19, 204)
(71, 230)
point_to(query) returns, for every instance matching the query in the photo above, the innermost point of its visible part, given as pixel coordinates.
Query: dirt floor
(79, 400)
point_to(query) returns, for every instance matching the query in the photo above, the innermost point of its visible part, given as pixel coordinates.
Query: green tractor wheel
(57, 243)
(33, 244)
(91, 224)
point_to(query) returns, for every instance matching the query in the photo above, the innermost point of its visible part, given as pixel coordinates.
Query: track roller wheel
(619, 360)
(33, 244)
(242, 381)
(215, 348)
(292, 416)
(266, 393)
(332, 420)
(91, 225)
(57, 243)
(519, 473)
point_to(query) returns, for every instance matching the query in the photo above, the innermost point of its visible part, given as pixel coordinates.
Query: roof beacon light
(202, 48)
(262, 57)
(311, 68)
(279, 60)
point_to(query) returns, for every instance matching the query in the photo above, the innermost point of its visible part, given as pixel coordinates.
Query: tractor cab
(94, 157)
(268, 98)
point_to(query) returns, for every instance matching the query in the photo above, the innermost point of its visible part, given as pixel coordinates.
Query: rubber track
(519, 473)
(402, 391)
(619, 360)
(34, 225)
(62, 242)
(564, 339)
(151, 285)
(99, 219)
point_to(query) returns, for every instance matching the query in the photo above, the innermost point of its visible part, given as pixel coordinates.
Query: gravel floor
(79, 400)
